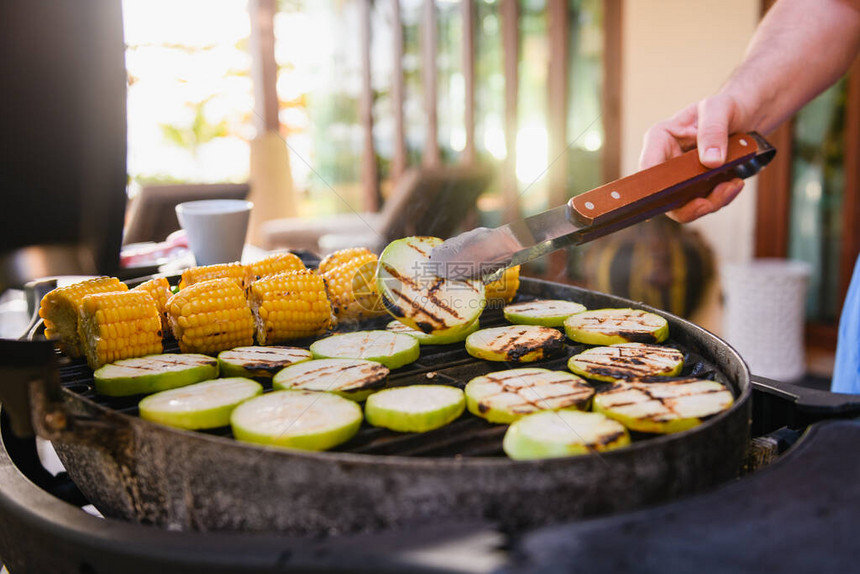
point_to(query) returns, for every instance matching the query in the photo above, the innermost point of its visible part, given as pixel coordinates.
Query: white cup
(216, 228)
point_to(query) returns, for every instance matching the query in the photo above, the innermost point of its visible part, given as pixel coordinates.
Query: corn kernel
(272, 298)
(119, 325)
(213, 316)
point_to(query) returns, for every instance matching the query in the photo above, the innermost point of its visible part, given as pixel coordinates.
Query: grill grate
(468, 436)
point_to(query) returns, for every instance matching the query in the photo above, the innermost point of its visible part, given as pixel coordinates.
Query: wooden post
(772, 197)
(509, 12)
(264, 69)
(398, 163)
(431, 155)
(774, 189)
(369, 175)
(271, 179)
(612, 50)
(470, 154)
(851, 196)
(559, 37)
(468, 15)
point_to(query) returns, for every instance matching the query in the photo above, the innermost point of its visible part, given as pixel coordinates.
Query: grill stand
(799, 514)
(40, 534)
(156, 475)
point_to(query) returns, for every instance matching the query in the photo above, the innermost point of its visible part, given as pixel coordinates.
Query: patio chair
(152, 213)
(426, 201)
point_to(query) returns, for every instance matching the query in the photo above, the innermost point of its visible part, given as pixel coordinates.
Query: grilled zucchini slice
(305, 420)
(517, 343)
(435, 339)
(353, 379)
(506, 396)
(259, 362)
(627, 361)
(545, 312)
(393, 350)
(414, 293)
(552, 434)
(153, 373)
(203, 405)
(417, 408)
(663, 407)
(611, 326)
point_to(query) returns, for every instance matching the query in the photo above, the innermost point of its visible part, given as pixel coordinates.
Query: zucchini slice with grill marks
(552, 434)
(663, 407)
(516, 343)
(153, 373)
(393, 350)
(506, 396)
(434, 339)
(546, 312)
(611, 326)
(353, 379)
(627, 361)
(259, 362)
(416, 408)
(203, 405)
(305, 420)
(414, 293)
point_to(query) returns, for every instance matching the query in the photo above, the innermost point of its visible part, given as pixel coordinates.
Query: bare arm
(800, 48)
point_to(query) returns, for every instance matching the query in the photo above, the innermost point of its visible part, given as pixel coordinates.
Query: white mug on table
(216, 228)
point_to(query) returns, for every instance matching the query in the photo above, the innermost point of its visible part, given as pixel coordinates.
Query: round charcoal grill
(139, 471)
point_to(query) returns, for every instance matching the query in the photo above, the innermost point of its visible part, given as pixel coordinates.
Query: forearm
(799, 49)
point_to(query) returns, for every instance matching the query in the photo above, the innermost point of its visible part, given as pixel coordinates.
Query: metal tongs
(484, 253)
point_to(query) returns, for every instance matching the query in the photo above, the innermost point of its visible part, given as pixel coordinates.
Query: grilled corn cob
(59, 310)
(159, 290)
(211, 316)
(276, 263)
(503, 290)
(239, 273)
(338, 258)
(289, 306)
(119, 325)
(351, 285)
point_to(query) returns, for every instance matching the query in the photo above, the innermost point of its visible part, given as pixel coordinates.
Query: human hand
(708, 124)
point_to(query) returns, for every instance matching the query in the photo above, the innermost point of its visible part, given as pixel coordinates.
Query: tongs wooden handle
(668, 185)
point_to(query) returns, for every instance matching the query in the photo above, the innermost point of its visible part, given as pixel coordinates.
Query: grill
(136, 470)
(493, 507)
(469, 436)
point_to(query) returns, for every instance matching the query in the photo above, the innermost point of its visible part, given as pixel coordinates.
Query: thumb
(713, 131)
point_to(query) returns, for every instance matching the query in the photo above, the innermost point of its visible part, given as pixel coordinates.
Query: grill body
(139, 471)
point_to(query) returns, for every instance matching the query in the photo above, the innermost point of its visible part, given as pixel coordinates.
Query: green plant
(199, 132)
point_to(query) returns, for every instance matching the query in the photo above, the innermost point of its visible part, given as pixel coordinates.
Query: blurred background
(328, 110)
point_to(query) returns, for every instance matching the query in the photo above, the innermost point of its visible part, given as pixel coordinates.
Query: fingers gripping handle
(670, 184)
